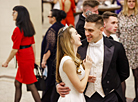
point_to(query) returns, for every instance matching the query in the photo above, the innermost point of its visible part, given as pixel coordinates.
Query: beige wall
(35, 11)
(7, 26)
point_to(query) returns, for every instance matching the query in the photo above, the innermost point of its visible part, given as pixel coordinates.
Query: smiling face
(14, 14)
(75, 37)
(111, 25)
(131, 4)
(92, 33)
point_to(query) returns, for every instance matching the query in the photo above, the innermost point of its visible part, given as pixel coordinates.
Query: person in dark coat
(48, 53)
(89, 6)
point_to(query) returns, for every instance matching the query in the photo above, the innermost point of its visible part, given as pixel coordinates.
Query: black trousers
(51, 95)
(112, 97)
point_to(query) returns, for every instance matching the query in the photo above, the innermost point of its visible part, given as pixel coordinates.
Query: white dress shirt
(96, 52)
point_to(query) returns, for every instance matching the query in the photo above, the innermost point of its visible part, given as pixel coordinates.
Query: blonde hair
(125, 8)
(65, 47)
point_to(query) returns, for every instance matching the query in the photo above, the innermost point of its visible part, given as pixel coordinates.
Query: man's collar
(83, 15)
(104, 34)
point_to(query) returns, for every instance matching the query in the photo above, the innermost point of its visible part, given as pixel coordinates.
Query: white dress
(74, 95)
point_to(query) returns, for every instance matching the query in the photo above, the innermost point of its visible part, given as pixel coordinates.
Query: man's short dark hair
(91, 3)
(95, 18)
(107, 14)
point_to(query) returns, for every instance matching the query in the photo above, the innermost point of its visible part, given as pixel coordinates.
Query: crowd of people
(83, 62)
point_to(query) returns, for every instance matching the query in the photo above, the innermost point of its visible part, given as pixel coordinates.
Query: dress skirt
(25, 59)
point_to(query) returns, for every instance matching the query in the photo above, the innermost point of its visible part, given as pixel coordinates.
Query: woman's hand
(45, 58)
(87, 62)
(43, 64)
(91, 79)
(5, 64)
(13, 52)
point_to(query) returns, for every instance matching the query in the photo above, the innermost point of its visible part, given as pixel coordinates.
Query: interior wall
(7, 26)
(35, 11)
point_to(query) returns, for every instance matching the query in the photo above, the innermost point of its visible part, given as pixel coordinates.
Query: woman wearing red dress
(69, 7)
(23, 48)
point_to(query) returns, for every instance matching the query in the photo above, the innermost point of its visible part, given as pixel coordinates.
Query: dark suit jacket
(115, 65)
(80, 26)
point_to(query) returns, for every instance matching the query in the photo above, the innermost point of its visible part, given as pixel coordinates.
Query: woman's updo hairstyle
(58, 14)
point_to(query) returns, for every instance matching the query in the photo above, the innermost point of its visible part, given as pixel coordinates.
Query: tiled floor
(7, 91)
(7, 87)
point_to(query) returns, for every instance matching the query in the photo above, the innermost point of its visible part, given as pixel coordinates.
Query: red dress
(25, 57)
(70, 14)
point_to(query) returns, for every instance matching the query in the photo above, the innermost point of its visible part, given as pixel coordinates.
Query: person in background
(48, 54)
(110, 65)
(128, 34)
(69, 7)
(76, 1)
(69, 68)
(110, 25)
(119, 3)
(79, 5)
(88, 6)
(24, 49)
(56, 4)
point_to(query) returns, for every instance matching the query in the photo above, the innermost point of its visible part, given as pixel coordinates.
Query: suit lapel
(108, 54)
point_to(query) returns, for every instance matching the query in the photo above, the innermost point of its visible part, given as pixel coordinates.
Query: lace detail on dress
(51, 39)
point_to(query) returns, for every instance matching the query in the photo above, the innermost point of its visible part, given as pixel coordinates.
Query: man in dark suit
(89, 6)
(110, 24)
(110, 27)
(110, 65)
(115, 68)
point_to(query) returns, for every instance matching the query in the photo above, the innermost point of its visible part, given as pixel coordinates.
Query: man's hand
(91, 79)
(62, 90)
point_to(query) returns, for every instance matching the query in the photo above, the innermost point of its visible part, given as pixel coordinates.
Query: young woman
(24, 48)
(69, 7)
(48, 53)
(128, 34)
(69, 67)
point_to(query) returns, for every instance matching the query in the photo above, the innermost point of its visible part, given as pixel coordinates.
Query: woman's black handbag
(40, 84)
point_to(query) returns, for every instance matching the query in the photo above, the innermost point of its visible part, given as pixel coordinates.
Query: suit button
(106, 89)
(108, 82)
